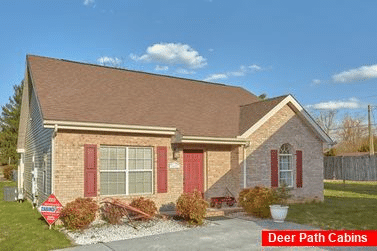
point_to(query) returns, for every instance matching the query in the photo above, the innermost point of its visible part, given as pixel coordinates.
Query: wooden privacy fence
(350, 167)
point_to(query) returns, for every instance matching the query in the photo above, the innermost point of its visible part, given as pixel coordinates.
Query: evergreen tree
(263, 96)
(9, 121)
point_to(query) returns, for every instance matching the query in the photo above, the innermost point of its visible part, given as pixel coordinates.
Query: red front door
(192, 171)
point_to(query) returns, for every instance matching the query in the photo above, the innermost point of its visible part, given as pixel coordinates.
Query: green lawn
(22, 228)
(349, 206)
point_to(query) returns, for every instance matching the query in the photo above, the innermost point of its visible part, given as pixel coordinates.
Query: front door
(192, 171)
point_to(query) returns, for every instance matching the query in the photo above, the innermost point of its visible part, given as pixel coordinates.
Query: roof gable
(71, 91)
(271, 107)
(252, 113)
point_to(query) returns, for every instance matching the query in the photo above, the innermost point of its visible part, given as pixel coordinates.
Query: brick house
(96, 131)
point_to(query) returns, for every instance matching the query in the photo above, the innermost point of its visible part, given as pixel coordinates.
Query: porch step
(212, 212)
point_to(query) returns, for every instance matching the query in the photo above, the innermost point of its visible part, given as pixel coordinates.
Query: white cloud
(239, 73)
(361, 73)
(109, 61)
(254, 67)
(185, 71)
(215, 77)
(352, 103)
(316, 82)
(89, 3)
(162, 68)
(173, 54)
(244, 70)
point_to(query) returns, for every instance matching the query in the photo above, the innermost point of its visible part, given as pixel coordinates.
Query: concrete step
(211, 212)
(224, 211)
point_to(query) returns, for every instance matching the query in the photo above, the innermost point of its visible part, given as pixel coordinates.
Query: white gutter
(109, 127)
(212, 140)
(53, 158)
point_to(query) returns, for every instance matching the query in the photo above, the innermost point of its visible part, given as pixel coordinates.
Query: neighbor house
(94, 131)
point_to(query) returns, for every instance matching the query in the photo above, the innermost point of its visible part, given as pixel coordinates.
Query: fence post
(343, 173)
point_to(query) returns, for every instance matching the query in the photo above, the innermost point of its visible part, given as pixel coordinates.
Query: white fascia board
(301, 111)
(212, 140)
(109, 127)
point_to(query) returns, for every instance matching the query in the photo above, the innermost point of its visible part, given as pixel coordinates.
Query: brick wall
(69, 165)
(286, 127)
(223, 171)
(222, 167)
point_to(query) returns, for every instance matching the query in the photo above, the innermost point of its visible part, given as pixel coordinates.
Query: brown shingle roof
(252, 113)
(71, 91)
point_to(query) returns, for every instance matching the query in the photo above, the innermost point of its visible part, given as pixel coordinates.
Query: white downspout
(53, 159)
(20, 177)
(244, 166)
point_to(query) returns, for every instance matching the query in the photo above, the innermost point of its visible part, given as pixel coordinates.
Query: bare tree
(326, 120)
(351, 132)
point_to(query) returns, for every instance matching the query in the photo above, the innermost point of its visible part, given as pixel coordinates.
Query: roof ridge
(139, 72)
(267, 100)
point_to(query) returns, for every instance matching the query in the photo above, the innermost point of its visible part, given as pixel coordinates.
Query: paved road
(224, 234)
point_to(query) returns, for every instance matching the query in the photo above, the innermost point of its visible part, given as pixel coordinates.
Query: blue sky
(322, 52)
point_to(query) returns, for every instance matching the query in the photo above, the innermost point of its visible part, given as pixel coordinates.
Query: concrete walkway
(223, 234)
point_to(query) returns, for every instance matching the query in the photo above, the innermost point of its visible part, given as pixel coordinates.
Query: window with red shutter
(162, 170)
(299, 168)
(90, 172)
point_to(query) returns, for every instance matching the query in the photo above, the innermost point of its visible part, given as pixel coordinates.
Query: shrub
(282, 194)
(79, 213)
(145, 205)
(7, 171)
(256, 201)
(192, 207)
(112, 214)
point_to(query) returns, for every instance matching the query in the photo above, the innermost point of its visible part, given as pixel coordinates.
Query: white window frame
(127, 170)
(290, 164)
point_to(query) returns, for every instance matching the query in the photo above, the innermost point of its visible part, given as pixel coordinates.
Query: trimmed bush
(256, 201)
(79, 213)
(192, 207)
(112, 214)
(8, 172)
(145, 205)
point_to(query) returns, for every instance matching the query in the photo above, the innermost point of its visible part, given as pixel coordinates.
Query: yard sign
(50, 209)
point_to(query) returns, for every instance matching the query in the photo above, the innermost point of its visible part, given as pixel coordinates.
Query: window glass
(116, 175)
(285, 165)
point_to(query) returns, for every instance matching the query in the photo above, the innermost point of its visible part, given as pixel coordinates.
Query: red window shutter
(299, 168)
(162, 170)
(274, 169)
(90, 170)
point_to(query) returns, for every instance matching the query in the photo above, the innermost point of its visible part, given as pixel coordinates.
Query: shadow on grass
(356, 187)
(336, 213)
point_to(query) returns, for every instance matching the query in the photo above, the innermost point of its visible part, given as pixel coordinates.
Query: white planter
(278, 212)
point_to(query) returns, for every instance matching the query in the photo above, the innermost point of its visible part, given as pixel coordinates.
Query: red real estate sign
(50, 209)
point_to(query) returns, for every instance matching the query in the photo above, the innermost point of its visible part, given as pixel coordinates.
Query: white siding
(38, 143)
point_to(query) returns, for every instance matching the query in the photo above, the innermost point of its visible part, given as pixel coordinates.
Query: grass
(23, 228)
(346, 206)
(349, 206)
